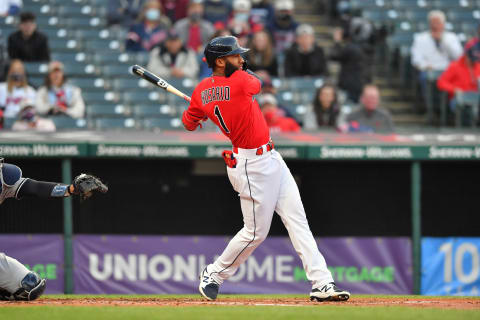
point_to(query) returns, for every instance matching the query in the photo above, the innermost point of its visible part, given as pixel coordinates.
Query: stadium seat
(126, 84)
(408, 4)
(79, 69)
(115, 58)
(463, 16)
(72, 10)
(84, 22)
(115, 123)
(144, 97)
(435, 99)
(64, 44)
(36, 68)
(8, 123)
(163, 123)
(417, 14)
(70, 57)
(89, 84)
(464, 99)
(365, 4)
(107, 110)
(92, 97)
(68, 123)
(116, 71)
(49, 21)
(154, 111)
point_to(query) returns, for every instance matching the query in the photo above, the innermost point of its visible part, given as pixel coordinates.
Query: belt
(253, 153)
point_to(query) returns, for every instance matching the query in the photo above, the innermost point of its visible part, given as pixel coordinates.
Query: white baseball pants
(265, 184)
(12, 273)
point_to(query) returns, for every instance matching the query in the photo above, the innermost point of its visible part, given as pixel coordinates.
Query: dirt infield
(440, 303)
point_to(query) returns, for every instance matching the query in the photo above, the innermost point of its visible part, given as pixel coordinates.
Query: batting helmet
(222, 47)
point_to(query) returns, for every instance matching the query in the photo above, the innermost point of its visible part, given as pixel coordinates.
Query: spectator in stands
(15, 89)
(194, 31)
(305, 58)
(369, 117)
(29, 121)
(262, 12)
(434, 49)
(462, 75)
(217, 11)
(28, 44)
(173, 59)
(262, 54)
(175, 9)
(57, 96)
(352, 65)
(123, 13)
(324, 110)
(240, 24)
(283, 25)
(276, 119)
(151, 29)
(10, 7)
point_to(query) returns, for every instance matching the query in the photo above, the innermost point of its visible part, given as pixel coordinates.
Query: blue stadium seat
(83, 22)
(36, 81)
(36, 68)
(408, 4)
(115, 123)
(89, 84)
(75, 10)
(64, 44)
(117, 71)
(144, 97)
(92, 97)
(418, 14)
(163, 123)
(366, 4)
(70, 57)
(125, 84)
(8, 123)
(464, 16)
(153, 111)
(68, 123)
(107, 110)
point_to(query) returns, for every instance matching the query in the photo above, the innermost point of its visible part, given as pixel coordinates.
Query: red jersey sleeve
(252, 85)
(192, 116)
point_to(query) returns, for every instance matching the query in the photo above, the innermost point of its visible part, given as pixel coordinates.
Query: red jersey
(229, 103)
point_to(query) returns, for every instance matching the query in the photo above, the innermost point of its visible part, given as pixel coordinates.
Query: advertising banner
(161, 264)
(450, 266)
(40, 253)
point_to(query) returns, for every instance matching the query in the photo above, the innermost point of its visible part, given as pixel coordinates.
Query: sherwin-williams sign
(40, 253)
(451, 266)
(156, 264)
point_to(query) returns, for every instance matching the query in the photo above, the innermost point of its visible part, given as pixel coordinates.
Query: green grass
(213, 312)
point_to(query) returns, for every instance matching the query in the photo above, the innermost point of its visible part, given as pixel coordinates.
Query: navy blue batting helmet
(222, 47)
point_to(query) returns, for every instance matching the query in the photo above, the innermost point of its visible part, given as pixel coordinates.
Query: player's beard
(229, 69)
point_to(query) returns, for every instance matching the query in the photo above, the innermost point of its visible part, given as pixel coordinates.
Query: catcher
(16, 281)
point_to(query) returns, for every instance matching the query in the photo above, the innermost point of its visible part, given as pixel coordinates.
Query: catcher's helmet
(222, 47)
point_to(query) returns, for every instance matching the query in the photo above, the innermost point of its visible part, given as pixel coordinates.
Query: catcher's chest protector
(10, 181)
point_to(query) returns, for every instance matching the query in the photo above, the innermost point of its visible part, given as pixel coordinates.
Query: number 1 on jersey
(220, 119)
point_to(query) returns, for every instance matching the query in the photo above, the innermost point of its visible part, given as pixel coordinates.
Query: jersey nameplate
(215, 94)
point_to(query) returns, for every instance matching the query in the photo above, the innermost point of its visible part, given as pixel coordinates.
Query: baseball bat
(156, 80)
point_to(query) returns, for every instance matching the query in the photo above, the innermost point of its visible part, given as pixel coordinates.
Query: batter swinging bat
(156, 80)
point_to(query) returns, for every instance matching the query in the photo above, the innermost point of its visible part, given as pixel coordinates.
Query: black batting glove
(245, 65)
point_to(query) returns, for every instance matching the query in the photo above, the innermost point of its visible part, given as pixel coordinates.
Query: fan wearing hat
(57, 96)
(283, 25)
(462, 75)
(173, 59)
(29, 120)
(275, 117)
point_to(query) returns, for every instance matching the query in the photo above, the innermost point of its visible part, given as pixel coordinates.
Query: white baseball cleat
(329, 292)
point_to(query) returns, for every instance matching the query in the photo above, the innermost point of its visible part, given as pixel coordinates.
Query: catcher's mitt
(84, 185)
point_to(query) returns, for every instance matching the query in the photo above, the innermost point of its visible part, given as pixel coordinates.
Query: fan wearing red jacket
(462, 74)
(255, 169)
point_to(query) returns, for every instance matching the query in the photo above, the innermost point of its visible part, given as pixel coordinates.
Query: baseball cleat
(329, 292)
(208, 287)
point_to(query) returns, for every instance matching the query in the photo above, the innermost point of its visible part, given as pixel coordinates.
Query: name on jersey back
(215, 94)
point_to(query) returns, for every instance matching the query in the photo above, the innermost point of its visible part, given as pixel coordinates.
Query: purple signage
(171, 264)
(40, 253)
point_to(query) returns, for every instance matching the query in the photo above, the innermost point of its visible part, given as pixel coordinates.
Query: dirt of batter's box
(440, 303)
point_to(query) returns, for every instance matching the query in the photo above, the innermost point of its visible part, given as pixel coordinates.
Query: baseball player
(16, 281)
(255, 169)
